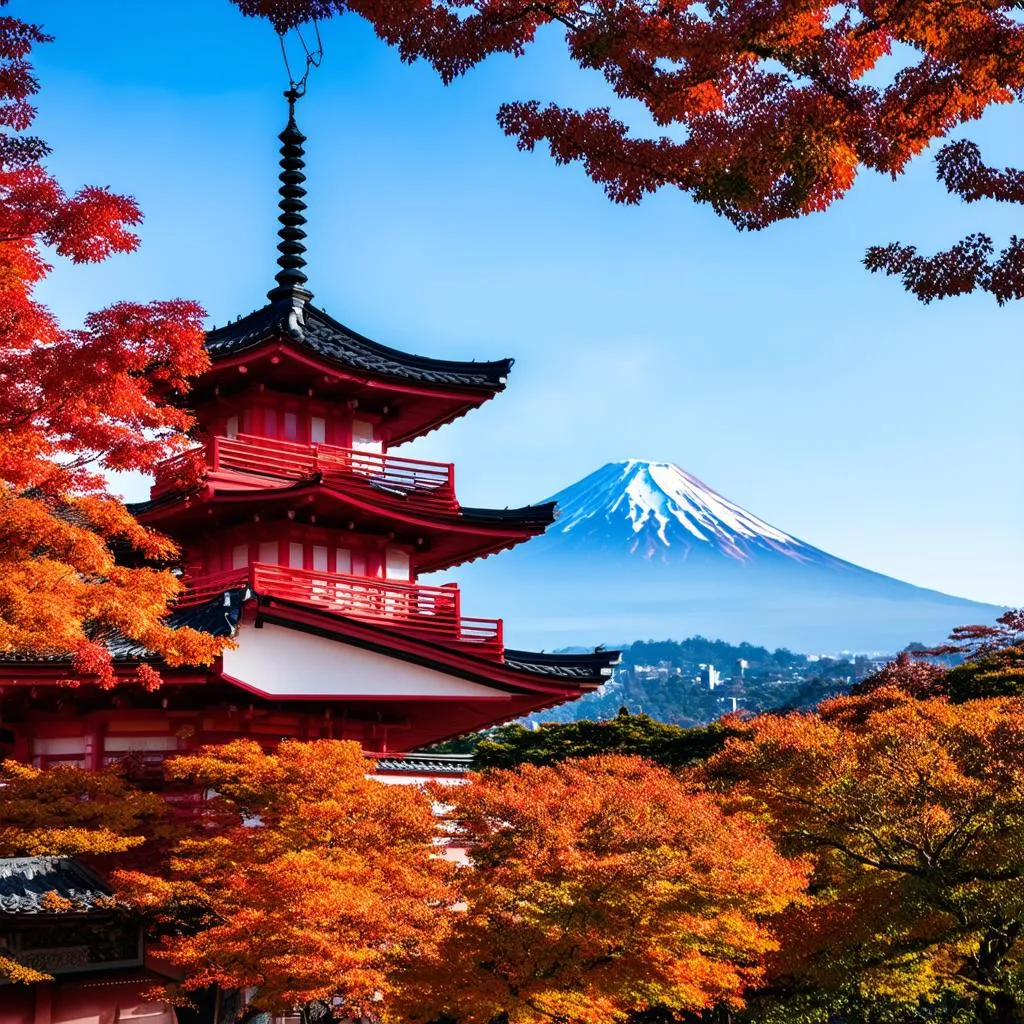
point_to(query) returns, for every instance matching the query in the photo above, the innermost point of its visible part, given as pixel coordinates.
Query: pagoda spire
(291, 247)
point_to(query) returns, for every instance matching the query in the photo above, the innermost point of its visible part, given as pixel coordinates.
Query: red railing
(432, 613)
(206, 588)
(428, 483)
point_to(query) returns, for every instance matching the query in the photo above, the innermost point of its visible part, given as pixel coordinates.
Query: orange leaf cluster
(599, 887)
(320, 882)
(67, 811)
(75, 403)
(912, 811)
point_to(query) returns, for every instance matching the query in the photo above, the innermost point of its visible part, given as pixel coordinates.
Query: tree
(913, 676)
(911, 811)
(765, 109)
(65, 811)
(310, 884)
(638, 735)
(993, 656)
(599, 887)
(77, 403)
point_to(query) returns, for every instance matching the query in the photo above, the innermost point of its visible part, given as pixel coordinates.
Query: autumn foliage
(912, 812)
(65, 811)
(973, 263)
(75, 403)
(599, 887)
(313, 882)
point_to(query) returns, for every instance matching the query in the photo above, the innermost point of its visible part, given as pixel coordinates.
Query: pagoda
(304, 535)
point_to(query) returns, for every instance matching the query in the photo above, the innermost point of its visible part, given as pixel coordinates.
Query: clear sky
(825, 400)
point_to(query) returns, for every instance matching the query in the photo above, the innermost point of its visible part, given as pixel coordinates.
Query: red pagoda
(303, 538)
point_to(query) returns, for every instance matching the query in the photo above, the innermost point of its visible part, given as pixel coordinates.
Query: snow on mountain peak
(664, 506)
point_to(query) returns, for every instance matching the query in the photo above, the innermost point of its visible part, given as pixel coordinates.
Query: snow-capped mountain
(662, 512)
(643, 549)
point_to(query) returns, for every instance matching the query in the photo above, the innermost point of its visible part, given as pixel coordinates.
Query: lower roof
(26, 881)
(571, 674)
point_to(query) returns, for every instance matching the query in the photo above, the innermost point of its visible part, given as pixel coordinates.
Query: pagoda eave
(441, 540)
(326, 372)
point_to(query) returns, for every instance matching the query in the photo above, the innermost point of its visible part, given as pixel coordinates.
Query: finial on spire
(291, 247)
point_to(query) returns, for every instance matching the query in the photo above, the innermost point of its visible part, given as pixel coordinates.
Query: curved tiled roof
(593, 667)
(305, 326)
(25, 881)
(528, 517)
(428, 764)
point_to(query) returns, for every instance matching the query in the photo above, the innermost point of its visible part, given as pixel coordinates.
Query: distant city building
(709, 676)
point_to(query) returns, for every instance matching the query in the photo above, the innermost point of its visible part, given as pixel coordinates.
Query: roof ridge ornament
(291, 276)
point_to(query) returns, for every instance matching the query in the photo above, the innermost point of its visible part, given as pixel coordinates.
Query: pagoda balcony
(428, 613)
(261, 460)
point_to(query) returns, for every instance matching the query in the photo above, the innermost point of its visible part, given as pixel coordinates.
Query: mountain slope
(644, 549)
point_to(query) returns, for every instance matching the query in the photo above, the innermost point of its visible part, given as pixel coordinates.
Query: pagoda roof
(302, 325)
(559, 677)
(568, 675)
(423, 764)
(466, 534)
(25, 881)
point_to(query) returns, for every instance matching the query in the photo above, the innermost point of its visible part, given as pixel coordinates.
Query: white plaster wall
(282, 662)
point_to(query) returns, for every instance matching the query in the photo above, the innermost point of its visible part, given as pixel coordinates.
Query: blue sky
(772, 366)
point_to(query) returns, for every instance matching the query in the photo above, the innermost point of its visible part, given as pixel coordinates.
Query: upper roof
(296, 321)
(455, 537)
(292, 319)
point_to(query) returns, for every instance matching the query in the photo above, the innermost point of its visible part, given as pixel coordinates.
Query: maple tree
(75, 404)
(311, 883)
(912, 675)
(993, 655)
(597, 887)
(65, 810)
(765, 109)
(911, 810)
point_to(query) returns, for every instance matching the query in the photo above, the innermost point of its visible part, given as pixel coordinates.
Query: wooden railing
(425, 483)
(432, 613)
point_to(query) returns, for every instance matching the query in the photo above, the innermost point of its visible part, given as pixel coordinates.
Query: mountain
(645, 550)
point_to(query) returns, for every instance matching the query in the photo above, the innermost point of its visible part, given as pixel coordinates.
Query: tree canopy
(311, 882)
(911, 811)
(599, 887)
(640, 735)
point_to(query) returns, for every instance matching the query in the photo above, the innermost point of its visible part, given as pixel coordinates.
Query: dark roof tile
(326, 337)
(595, 667)
(24, 881)
(427, 764)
